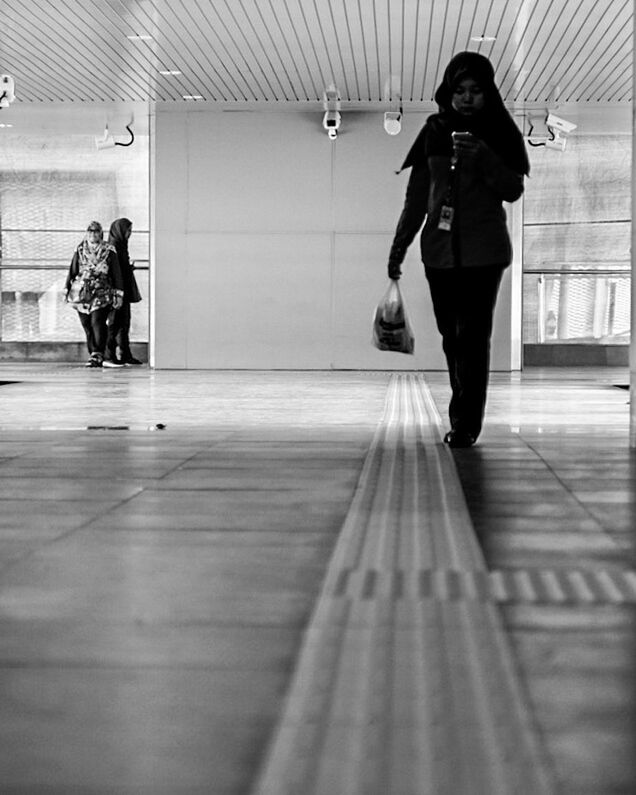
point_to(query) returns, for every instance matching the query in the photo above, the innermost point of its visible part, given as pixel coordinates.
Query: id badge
(446, 218)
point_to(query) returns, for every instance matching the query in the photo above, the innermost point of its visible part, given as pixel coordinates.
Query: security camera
(105, 141)
(560, 124)
(558, 141)
(7, 90)
(331, 122)
(392, 122)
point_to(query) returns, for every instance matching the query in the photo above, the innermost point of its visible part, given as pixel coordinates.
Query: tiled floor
(155, 581)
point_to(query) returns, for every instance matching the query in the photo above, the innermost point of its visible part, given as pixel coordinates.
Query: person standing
(93, 288)
(119, 319)
(467, 160)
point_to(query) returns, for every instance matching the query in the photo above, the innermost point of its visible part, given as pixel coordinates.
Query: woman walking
(467, 160)
(94, 287)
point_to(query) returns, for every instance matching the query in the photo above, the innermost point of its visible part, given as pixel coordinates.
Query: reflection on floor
(155, 583)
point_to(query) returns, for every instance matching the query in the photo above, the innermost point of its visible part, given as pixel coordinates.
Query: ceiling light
(169, 72)
(483, 38)
(192, 96)
(140, 37)
(6, 125)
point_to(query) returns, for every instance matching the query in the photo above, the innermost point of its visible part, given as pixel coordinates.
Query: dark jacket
(479, 234)
(117, 237)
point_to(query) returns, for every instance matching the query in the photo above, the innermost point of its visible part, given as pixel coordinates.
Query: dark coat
(478, 186)
(117, 237)
(479, 234)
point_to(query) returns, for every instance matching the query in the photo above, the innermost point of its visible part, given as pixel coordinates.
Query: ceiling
(274, 53)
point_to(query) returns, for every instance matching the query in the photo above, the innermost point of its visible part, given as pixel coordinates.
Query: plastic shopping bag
(391, 328)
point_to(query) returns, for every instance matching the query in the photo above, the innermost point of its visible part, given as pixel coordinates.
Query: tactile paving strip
(405, 684)
(535, 586)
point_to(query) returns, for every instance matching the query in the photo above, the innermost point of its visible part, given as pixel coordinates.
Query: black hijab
(117, 237)
(493, 125)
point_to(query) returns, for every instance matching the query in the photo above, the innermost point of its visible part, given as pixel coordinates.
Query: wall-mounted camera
(107, 141)
(331, 122)
(549, 130)
(7, 90)
(332, 118)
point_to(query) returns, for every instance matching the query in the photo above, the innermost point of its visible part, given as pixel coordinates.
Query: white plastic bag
(391, 327)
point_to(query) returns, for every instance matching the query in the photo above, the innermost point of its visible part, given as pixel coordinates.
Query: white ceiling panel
(282, 52)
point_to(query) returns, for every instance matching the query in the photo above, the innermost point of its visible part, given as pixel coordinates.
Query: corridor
(283, 583)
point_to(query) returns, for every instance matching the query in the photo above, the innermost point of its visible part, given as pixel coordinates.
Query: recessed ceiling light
(483, 38)
(169, 72)
(140, 37)
(192, 96)
(6, 125)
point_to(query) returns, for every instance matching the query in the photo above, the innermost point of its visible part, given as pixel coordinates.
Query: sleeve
(413, 213)
(73, 270)
(114, 272)
(501, 179)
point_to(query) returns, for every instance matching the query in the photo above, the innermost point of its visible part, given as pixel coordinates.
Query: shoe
(94, 361)
(459, 439)
(131, 360)
(113, 363)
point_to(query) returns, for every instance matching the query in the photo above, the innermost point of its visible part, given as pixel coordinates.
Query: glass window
(577, 308)
(51, 187)
(576, 250)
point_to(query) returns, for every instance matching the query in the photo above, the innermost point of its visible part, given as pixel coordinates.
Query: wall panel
(271, 242)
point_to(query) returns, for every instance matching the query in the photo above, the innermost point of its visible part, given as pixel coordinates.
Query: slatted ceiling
(287, 52)
(585, 55)
(44, 52)
(553, 50)
(610, 72)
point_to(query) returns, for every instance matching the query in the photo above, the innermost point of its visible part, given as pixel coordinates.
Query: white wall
(270, 243)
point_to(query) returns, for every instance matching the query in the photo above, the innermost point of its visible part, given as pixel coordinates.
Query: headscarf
(118, 233)
(118, 237)
(94, 256)
(493, 125)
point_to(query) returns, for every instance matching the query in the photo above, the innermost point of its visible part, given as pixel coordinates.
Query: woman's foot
(95, 360)
(455, 438)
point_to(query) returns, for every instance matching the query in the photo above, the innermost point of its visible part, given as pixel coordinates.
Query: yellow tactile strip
(405, 683)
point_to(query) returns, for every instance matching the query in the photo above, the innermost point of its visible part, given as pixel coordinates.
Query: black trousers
(464, 304)
(94, 325)
(119, 332)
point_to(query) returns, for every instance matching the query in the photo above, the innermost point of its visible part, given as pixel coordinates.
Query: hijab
(118, 237)
(118, 232)
(493, 125)
(94, 255)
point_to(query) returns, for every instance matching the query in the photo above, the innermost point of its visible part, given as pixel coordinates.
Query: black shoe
(131, 360)
(459, 439)
(94, 361)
